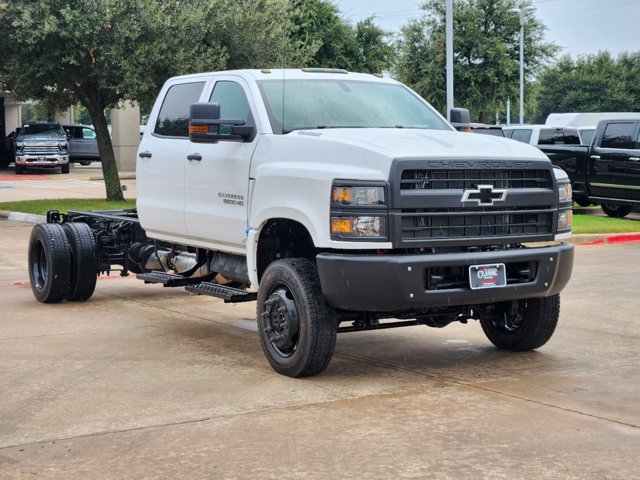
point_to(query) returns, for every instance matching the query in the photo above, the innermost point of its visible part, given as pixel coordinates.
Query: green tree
(102, 52)
(338, 44)
(591, 83)
(486, 36)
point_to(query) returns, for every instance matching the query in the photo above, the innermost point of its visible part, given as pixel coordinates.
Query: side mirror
(205, 125)
(460, 119)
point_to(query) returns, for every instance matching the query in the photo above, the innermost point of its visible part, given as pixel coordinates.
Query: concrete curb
(23, 217)
(580, 239)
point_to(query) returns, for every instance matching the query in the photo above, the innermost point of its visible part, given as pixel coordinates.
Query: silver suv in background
(83, 144)
(41, 144)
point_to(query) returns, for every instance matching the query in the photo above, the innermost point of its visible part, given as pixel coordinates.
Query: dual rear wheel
(62, 262)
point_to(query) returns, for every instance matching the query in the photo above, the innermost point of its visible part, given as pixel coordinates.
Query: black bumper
(395, 283)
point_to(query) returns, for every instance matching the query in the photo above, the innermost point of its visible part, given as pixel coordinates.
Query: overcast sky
(579, 26)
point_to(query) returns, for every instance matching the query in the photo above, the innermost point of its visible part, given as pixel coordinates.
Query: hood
(400, 143)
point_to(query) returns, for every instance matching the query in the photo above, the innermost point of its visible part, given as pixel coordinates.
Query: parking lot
(147, 382)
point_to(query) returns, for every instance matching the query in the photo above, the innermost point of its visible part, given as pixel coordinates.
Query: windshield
(310, 104)
(42, 130)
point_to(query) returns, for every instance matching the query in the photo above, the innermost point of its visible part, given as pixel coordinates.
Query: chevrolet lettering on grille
(484, 195)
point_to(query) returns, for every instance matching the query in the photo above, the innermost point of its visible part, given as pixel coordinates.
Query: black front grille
(420, 179)
(451, 223)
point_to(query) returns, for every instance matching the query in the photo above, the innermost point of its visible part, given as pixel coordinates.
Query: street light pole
(521, 11)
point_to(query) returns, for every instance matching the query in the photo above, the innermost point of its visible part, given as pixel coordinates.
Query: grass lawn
(40, 207)
(596, 224)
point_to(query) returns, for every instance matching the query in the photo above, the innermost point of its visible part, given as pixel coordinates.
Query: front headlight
(19, 145)
(565, 220)
(359, 226)
(565, 192)
(357, 196)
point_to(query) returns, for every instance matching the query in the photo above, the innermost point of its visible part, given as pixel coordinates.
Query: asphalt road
(146, 382)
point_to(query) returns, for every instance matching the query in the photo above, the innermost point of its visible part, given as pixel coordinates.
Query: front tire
(616, 211)
(49, 263)
(297, 327)
(65, 168)
(84, 265)
(19, 169)
(521, 325)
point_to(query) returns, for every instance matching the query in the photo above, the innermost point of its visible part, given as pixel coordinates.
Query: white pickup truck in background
(339, 202)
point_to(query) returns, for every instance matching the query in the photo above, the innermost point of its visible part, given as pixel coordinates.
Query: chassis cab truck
(338, 202)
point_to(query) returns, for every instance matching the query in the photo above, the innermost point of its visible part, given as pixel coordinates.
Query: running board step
(228, 294)
(168, 279)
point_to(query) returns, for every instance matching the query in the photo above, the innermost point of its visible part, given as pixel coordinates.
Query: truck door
(217, 175)
(162, 158)
(614, 166)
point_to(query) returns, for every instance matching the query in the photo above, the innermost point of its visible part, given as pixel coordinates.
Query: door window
(88, 133)
(619, 135)
(233, 102)
(522, 135)
(173, 120)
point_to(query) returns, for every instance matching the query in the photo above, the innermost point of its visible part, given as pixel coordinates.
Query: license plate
(42, 159)
(487, 276)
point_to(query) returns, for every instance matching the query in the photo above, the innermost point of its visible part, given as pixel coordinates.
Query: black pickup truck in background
(607, 172)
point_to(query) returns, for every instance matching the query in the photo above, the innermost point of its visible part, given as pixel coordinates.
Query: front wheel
(616, 211)
(19, 169)
(65, 168)
(297, 327)
(521, 325)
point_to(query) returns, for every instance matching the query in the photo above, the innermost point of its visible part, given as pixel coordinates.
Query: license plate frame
(490, 275)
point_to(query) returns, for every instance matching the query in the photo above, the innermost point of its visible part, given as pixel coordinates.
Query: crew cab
(606, 172)
(338, 202)
(41, 144)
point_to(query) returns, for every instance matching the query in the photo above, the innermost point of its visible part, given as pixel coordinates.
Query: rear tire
(616, 211)
(297, 327)
(84, 265)
(521, 325)
(49, 263)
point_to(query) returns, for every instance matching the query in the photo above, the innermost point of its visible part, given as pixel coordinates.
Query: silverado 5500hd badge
(232, 199)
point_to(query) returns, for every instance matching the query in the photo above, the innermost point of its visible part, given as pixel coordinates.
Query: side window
(618, 135)
(232, 100)
(522, 135)
(637, 146)
(88, 133)
(173, 120)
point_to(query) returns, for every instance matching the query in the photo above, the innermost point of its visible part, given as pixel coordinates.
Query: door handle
(595, 157)
(146, 154)
(634, 159)
(194, 157)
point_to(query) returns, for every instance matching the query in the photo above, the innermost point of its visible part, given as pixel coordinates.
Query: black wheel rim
(39, 270)
(282, 324)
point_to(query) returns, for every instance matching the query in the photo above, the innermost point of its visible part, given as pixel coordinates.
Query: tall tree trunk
(105, 147)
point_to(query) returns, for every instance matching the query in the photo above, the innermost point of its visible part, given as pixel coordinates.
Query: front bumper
(396, 283)
(42, 160)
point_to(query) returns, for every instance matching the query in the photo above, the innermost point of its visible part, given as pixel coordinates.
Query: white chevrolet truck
(339, 202)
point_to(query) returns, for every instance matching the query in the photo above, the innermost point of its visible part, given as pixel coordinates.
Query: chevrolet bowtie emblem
(484, 195)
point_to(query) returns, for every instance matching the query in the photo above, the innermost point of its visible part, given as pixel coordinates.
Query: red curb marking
(22, 177)
(624, 238)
